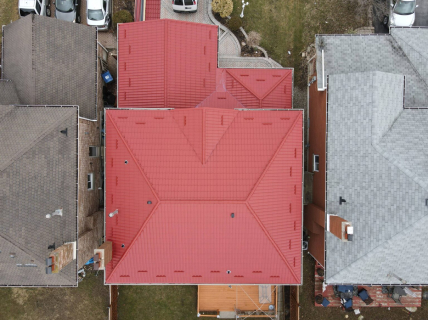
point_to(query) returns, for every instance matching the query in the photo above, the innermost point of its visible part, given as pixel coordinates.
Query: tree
(223, 7)
(122, 16)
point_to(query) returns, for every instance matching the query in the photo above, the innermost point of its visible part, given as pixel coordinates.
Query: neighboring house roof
(173, 64)
(38, 174)
(152, 10)
(8, 95)
(177, 176)
(377, 156)
(52, 62)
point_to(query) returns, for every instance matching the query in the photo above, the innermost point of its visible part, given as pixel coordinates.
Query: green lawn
(88, 301)
(291, 25)
(157, 302)
(8, 11)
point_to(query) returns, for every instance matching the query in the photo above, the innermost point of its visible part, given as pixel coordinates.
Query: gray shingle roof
(364, 53)
(8, 95)
(38, 174)
(377, 159)
(52, 62)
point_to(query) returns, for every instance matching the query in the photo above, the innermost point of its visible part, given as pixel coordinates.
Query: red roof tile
(152, 9)
(196, 167)
(173, 64)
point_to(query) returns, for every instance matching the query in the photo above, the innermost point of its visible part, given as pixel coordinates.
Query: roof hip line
(134, 240)
(273, 158)
(275, 86)
(133, 157)
(272, 241)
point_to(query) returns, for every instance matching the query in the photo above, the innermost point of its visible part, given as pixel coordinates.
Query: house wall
(314, 214)
(89, 200)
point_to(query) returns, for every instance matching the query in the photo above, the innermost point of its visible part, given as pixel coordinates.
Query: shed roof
(173, 64)
(177, 176)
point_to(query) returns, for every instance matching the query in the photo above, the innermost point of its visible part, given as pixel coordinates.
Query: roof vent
(229, 272)
(65, 131)
(112, 214)
(232, 215)
(58, 212)
(51, 246)
(341, 200)
(123, 245)
(149, 202)
(126, 161)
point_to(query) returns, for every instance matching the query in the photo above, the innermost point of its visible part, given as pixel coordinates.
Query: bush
(223, 7)
(253, 39)
(234, 23)
(122, 16)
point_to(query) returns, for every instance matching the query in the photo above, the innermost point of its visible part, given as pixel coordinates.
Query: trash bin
(107, 77)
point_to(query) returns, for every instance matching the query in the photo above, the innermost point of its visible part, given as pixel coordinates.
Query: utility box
(107, 76)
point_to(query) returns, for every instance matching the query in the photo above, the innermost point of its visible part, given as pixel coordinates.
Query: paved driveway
(421, 19)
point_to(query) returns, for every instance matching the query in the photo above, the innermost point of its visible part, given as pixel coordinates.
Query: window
(38, 7)
(90, 181)
(316, 163)
(94, 151)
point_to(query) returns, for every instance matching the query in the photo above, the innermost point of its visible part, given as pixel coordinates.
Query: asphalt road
(421, 19)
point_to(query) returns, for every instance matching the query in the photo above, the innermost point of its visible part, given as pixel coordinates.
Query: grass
(90, 299)
(308, 311)
(291, 25)
(157, 302)
(8, 11)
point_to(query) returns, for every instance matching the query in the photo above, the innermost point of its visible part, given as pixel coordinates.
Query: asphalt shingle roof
(377, 158)
(38, 174)
(52, 62)
(8, 95)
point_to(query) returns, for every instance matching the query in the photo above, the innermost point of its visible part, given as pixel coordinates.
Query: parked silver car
(67, 10)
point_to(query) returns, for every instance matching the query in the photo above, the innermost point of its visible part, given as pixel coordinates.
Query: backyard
(89, 300)
(290, 25)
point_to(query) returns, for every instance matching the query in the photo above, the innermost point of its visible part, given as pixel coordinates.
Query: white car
(98, 14)
(402, 13)
(185, 5)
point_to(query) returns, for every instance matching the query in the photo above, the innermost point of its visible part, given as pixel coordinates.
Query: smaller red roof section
(173, 64)
(177, 176)
(151, 10)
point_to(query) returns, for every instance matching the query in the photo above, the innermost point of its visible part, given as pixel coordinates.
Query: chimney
(340, 227)
(61, 257)
(103, 255)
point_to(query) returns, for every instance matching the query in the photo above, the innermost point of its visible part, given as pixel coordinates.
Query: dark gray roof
(8, 95)
(377, 159)
(52, 62)
(38, 174)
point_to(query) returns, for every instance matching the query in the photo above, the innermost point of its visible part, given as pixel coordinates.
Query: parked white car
(98, 14)
(40, 7)
(185, 5)
(402, 13)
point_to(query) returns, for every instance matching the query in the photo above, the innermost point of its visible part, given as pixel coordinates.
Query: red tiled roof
(173, 64)
(197, 166)
(151, 10)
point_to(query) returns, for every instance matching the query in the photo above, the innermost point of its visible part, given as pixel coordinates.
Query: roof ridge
(185, 136)
(218, 141)
(135, 239)
(275, 86)
(381, 243)
(272, 159)
(272, 241)
(31, 145)
(246, 88)
(134, 158)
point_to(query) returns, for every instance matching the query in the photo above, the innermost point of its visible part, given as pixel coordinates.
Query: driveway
(421, 19)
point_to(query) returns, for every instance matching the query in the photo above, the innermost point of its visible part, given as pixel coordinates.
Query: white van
(39, 7)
